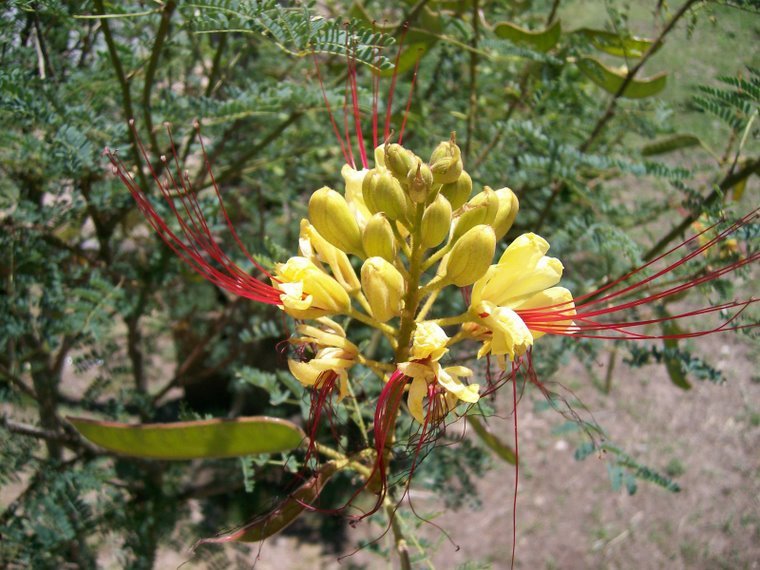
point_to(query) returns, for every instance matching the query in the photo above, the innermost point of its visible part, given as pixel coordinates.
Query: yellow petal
(417, 393)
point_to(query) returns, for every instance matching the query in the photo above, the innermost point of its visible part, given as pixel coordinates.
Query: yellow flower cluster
(382, 251)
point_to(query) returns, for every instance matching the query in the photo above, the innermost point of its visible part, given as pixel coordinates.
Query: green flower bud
(458, 192)
(446, 162)
(378, 239)
(419, 182)
(330, 215)
(383, 193)
(471, 256)
(481, 209)
(505, 216)
(436, 222)
(383, 286)
(398, 160)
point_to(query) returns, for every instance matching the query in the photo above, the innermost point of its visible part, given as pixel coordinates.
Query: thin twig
(126, 96)
(150, 71)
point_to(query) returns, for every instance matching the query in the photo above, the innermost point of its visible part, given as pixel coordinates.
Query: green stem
(412, 296)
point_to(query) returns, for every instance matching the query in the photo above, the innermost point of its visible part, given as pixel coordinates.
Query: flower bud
(398, 160)
(383, 193)
(507, 212)
(446, 162)
(481, 209)
(378, 239)
(419, 182)
(383, 286)
(330, 214)
(458, 192)
(436, 222)
(471, 256)
(307, 291)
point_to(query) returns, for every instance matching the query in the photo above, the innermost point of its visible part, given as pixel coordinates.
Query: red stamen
(198, 245)
(351, 62)
(330, 114)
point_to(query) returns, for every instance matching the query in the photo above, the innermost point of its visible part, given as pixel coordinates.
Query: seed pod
(481, 209)
(378, 239)
(398, 160)
(458, 192)
(446, 162)
(471, 256)
(436, 222)
(507, 212)
(330, 214)
(383, 286)
(419, 182)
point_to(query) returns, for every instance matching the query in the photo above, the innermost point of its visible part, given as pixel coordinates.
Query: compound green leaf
(283, 514)
(193, 440)
(612, 79)
(539, 40)
(614, 44)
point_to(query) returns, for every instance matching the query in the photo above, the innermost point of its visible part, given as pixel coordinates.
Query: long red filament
(330, 114)
(355, 106)
(198, 245)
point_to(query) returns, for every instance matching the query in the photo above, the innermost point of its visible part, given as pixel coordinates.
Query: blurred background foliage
(616, 131)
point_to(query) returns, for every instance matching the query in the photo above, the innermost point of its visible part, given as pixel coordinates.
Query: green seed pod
(330, 215)
(436, 222)
(481, 209)
(471, 256)
(446, 162)
(458, 192)
(383, 287)
(419, 182)
(505, 216)
(378, 239)
(398, 160)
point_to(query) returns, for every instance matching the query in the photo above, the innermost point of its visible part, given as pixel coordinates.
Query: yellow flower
(522, 270)
(442, 387)
(509, 334)
(429, 342)
(517, 301)
(307, 291)
(336, 354)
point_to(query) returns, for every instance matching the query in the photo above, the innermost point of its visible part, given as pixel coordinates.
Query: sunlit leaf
(284, 514)
(538, 40)
(612, 79)
(614, 44)
(192, 440)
